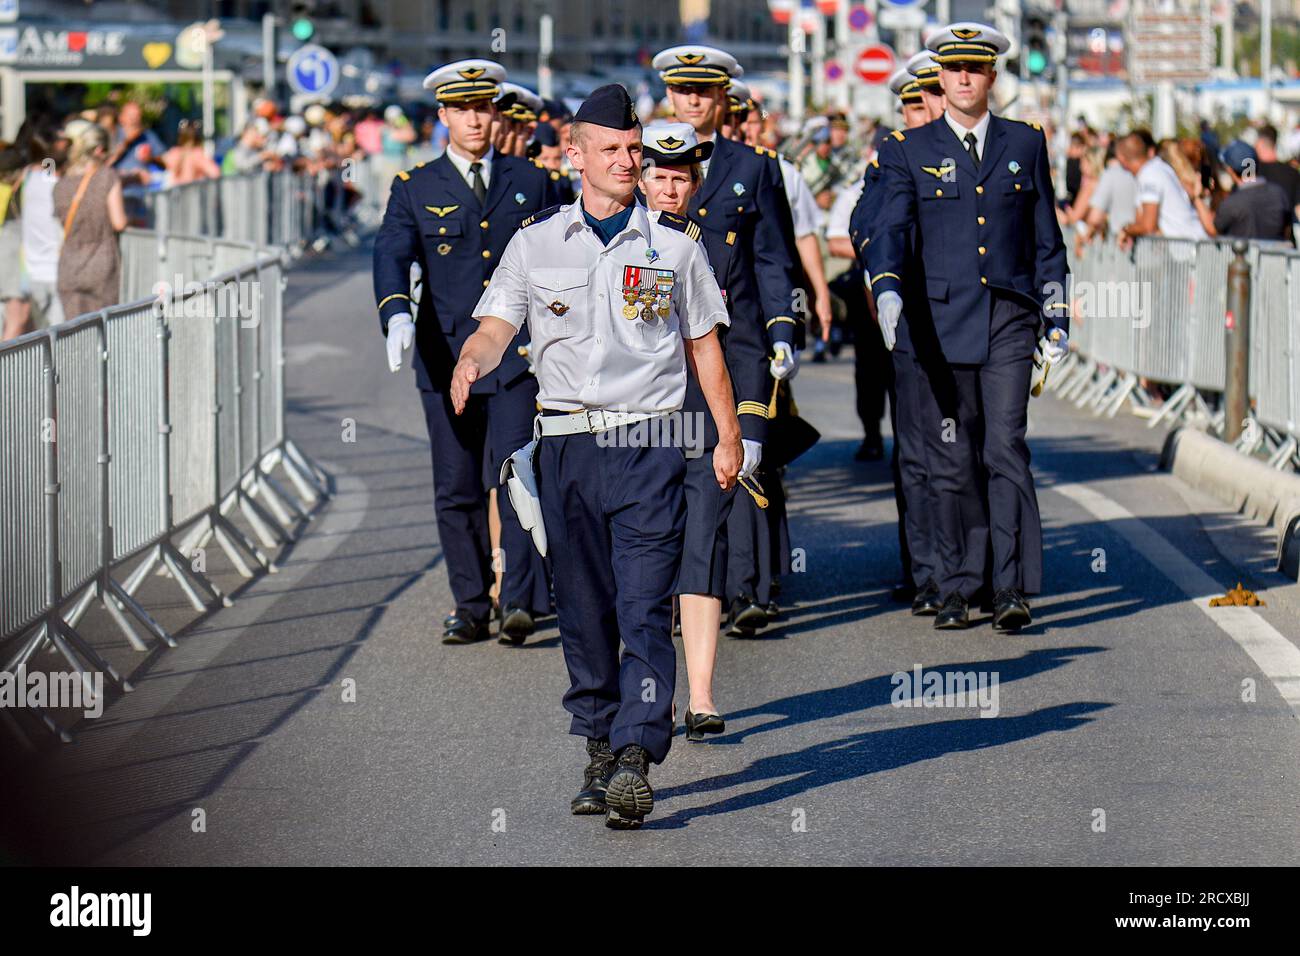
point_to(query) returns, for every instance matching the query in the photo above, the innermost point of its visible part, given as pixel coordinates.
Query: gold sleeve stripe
(875, 279)
(1057, 305)
(692, 231)
(389, 298)
(752, 408)
(780, 318)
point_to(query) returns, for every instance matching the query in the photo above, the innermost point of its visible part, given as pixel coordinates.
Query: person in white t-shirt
(1163, 206)
(42, 242)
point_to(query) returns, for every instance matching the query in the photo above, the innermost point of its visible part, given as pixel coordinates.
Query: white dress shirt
(462, 165)
(803, 207)
(557, 276)
(837, 221)
(981, 131)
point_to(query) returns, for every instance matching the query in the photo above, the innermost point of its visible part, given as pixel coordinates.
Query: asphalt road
(1118, 735)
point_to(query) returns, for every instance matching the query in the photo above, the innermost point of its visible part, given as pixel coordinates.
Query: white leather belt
(590, 421)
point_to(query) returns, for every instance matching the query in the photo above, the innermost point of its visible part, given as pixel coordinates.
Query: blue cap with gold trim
(466, 80)
(608, 106)
(696, 64)
(967, 42)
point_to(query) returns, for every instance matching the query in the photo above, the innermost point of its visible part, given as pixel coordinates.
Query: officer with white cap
(618, 306)
(453, 217)
(971, 195)
(742, 200)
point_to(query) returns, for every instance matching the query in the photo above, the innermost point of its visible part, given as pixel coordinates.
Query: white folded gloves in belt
(521, 483)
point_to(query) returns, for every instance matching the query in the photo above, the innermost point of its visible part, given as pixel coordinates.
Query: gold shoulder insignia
(528, 221)
(537, 162)
(897, 134)
(403, 175)
(693, 231)
(1037, 127)
(875, 161)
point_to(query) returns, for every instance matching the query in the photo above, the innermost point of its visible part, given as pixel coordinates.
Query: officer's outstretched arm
(891, 226)
(1050, 266)
(397, 245)
(479, 356)
(776, 259)
(704, 354)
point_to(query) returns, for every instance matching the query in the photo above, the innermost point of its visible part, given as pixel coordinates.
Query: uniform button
(599, 340)
(980, 190)
(485, 283)
(484, 223)
(487, 253)
(442, 230)
(938, 192)
(703, 211)
(1017, 186)
(983, 281)
(983, 250)
(980, 220)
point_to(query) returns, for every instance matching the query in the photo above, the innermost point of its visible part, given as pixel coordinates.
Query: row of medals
(651, 300)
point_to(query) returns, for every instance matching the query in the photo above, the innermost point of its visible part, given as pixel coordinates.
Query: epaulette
(764, 151)
(540, 216)
(681, 224)
(405, 174)
(1036, 126)
(897, 134)
(537, 162)
(875, 161)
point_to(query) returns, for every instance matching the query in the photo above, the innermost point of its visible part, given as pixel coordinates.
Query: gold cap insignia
(965, 34)
(671, 142)
(472, 72)
(690, 59)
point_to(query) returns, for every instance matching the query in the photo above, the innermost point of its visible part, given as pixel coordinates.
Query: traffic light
(1033, 44)
(300, 22)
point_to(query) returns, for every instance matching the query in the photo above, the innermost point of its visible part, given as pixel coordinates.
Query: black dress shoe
(772, 610)
(1010, 610)
(927, 603)
(747, 613)
(871, 449)
(463, 628)
(591, 798)
(697, 725)
(516, 624)
(953, 615)
(627, 793)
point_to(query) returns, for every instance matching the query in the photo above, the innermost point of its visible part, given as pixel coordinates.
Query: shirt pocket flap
(1020, 187)
(559, 280)
(936, 288)
(939, 189)
(442, 228)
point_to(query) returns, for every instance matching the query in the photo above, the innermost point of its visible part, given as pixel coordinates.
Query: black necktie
(973, 149)
(476, 182)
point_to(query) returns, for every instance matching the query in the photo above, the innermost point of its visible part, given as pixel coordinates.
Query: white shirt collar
(462, 164)
(638, 222)
(981, 130)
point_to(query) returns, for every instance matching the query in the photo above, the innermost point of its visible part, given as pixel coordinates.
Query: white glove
(889, 306)
(753, 455)
(784, 363)
(401, 333)
(1056, 346)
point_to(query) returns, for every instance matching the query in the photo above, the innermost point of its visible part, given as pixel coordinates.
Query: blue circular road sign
(313, 71)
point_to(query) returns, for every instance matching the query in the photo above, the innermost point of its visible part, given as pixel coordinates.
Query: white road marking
(1272, 653)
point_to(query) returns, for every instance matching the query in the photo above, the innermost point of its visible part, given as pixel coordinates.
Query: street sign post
(875, 64)
(313, 71)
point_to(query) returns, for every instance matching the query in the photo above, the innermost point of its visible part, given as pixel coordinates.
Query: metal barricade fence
(126, 428)
(1157, 313)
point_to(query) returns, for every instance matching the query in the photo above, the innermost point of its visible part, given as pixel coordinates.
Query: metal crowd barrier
(128, 428)
(1156, 314)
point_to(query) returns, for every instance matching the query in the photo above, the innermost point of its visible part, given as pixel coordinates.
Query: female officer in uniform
(670, 158)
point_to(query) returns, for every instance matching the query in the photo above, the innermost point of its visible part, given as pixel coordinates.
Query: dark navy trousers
(493, 426)
(969, 410)
(615, 521)
(912, 475)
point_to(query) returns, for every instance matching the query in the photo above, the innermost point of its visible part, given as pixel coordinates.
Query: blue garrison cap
(608, 106)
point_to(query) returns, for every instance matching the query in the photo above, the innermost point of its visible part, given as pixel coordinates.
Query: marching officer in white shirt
(617, 306)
